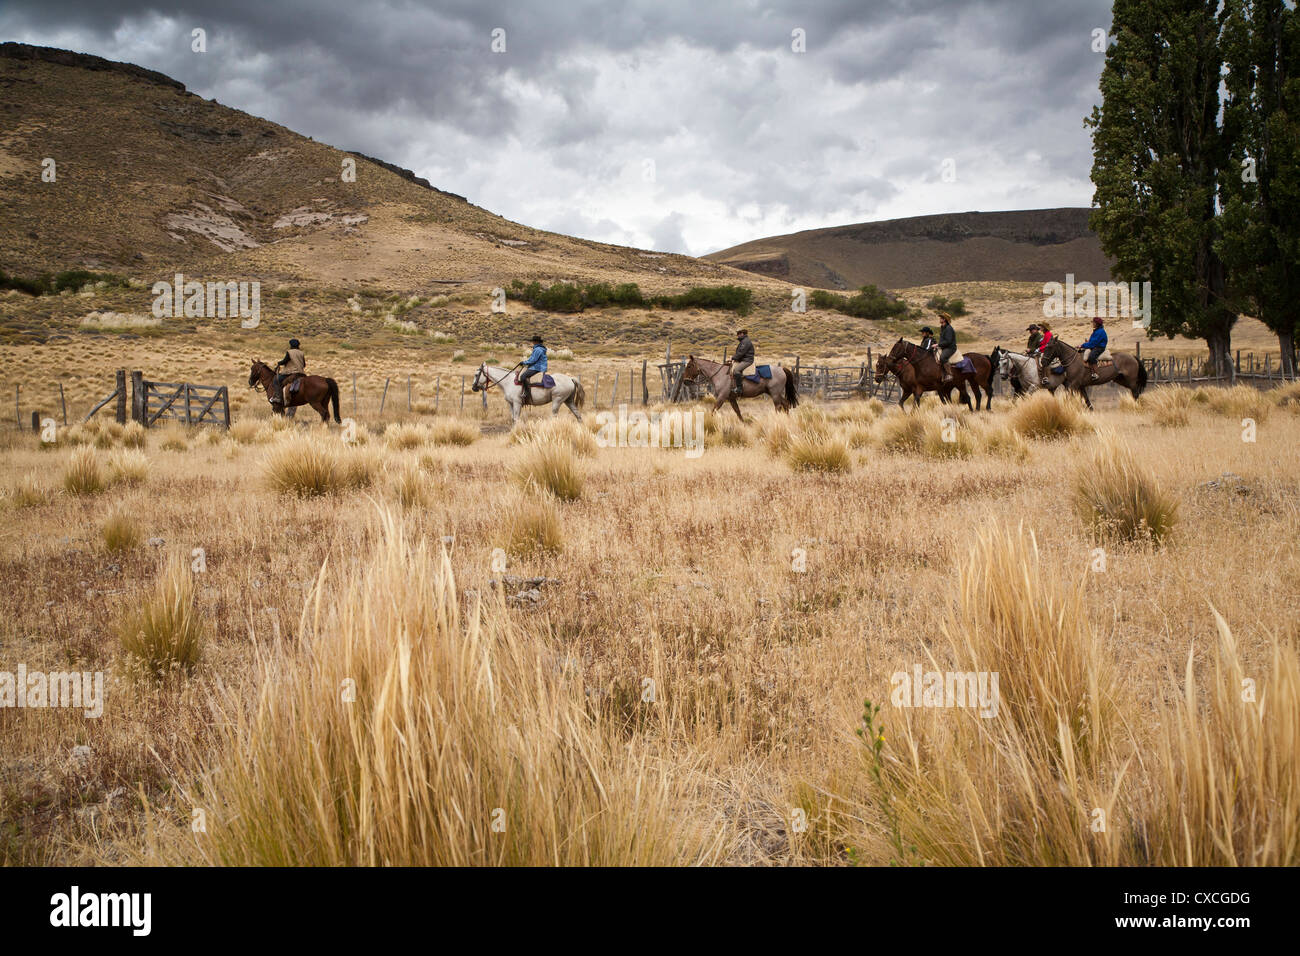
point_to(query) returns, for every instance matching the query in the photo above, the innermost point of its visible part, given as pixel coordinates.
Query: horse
(567, 392)
(314, 390)
(1023, 373)
(783, 386)
(1122, 369)
(918, 371)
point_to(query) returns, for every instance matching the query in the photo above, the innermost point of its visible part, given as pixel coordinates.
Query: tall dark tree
(1260, 230)
(1157, 153)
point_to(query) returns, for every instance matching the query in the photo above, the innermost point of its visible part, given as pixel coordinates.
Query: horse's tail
(333, 396)
(1142, 378)
(579, 396)
(792, 387)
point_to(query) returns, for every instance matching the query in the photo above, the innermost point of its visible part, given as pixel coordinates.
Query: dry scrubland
(344, 683)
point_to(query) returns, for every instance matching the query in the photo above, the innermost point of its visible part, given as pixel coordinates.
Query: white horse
(1024, 369)
(567, 392)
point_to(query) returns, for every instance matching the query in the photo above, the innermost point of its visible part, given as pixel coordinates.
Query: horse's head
(1002, 361)
(882, 368)
(898, 351)
(481, 379)
(257, 373)
(691, 371)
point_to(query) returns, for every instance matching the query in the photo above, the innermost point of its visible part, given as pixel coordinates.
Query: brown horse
(314, 390)
(783, 386)
(918, 371)
(1123, 369)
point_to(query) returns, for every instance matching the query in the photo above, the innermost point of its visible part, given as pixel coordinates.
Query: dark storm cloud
(679, 125)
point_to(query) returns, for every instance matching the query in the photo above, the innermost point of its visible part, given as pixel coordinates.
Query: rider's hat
(927, 330)
(537, 339)
(1097, 320)
(743, 332)
(1032, 328)
(293, 343)
(945, 316)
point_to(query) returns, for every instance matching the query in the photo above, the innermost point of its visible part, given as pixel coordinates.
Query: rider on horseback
(1043, 343)
(1035, 336)
(294, 364)
(535, 364)
(927, 339)
(741, 360)
(947, 344)
(1095, 345)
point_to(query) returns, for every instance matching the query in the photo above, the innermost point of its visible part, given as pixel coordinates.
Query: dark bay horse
(1122, 369)
(783, 386)
(314, 390)
(918, 371)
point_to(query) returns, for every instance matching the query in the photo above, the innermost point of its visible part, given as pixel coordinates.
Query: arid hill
(149, 178)
(1028, 245)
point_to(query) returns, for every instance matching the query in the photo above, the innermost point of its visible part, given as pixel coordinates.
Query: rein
(498, 382)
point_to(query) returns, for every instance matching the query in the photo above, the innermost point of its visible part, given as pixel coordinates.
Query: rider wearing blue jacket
(1095, 345)
(535, 364)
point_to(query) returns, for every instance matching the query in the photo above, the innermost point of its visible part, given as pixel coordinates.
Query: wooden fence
(173, 401)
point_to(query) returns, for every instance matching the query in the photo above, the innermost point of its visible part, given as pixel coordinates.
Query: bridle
(483, 369)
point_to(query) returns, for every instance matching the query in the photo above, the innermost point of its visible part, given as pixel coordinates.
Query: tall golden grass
(406, 734)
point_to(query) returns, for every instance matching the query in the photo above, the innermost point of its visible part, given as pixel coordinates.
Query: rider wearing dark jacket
(947, 343)
(742, 359)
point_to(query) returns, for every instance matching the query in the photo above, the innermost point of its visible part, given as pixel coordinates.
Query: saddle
(764, 371)
(963, 364)
(545, 382)
(292, 384)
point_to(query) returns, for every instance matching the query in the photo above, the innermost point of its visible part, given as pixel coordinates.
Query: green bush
(575, 297)
(736, 298)
(953, 307)
(870, 302)
(47, 284)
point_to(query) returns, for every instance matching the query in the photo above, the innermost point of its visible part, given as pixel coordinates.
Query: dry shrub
(134, 435)
(817, 451)
(1046, 416)
(998, 438)
(1240, 401)
(733, 434)
(774, 431)
(120, 532)
(128, 467)
(904, 432)
(303, 466)
(165, 634)
(1169, 405)
(453, 431)
(30, 491)
(550, 466)
(401, 734)
(566, 430)
(1016, 787)
(410, 486)
(404, 437)
(534, 527)
(84, 476)
(1119, 498)
(174, 438)
(250, 431)
(357, 468)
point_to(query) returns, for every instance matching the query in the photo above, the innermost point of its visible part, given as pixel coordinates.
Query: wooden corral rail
(178, 401)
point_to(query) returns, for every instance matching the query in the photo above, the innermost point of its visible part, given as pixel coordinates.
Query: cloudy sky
(679, 125)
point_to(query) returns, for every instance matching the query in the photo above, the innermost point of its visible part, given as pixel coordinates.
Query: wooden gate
(178, 401)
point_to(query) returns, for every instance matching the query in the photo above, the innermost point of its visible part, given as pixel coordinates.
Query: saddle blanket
(964, 365)
(546, 382)
(764, 371)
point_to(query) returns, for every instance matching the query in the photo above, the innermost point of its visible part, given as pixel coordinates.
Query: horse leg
(732, 399)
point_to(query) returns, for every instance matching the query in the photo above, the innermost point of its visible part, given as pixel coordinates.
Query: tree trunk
(1286, 339)
(1220, 343)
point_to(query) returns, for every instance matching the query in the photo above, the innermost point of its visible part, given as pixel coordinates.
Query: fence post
(188, 417)
(437, 394)
(613, 396)
(354, 394)
(383, 398)
(645, 388)
(139, 400)
(64, 402)
(18, 410)
(225, 405)
(462, 393)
